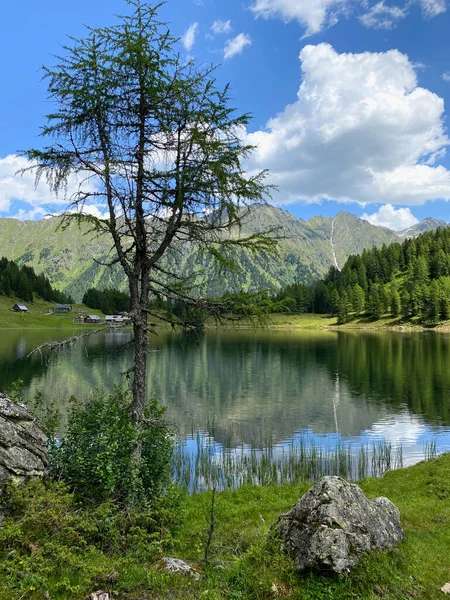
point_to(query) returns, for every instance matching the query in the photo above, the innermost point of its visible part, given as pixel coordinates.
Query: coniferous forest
(411, 279)
(23, 283)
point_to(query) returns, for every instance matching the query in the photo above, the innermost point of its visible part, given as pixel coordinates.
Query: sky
(349, 98)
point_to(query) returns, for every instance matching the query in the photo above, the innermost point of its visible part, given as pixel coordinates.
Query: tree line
(409, 279)
(109, 301)
(23, 283)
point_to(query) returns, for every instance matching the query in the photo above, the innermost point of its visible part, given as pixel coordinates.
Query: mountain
(307, 249)
(428, 224)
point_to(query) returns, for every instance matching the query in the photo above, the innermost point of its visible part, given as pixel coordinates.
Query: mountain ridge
(307, 250)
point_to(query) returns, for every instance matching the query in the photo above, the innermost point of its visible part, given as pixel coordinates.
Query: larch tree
(153, 142)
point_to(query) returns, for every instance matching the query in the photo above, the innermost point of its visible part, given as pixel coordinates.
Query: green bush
(48, 541)
(96, 456)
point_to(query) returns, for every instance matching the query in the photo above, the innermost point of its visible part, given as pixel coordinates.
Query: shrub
(96, 456)
(49, 542)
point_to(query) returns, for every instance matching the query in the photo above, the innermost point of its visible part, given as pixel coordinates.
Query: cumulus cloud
(188, 39)
(220, 27)
(382, 16)
(22, 187)
(32, 214)
(391, 217)
(86, 209)
(446, 76)
(14, 186)
(316, 15)
(361, 130)
(236, 45)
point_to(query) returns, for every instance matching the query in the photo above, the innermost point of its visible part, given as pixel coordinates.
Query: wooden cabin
(92, 319)
(19, 308)
(63, 308)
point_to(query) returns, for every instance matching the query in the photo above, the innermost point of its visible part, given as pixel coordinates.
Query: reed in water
(203, 465)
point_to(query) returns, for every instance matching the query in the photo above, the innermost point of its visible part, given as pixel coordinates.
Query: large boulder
(23, 444)
(334, 524)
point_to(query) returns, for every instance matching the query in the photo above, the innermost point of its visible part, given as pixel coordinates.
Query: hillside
(408, 280)
(306, 252)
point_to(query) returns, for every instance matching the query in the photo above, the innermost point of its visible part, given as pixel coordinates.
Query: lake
(255, 388)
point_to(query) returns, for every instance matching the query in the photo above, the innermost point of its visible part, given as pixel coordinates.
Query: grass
(277, 321)
(241, 566)
(36, 318)
(416, 569)
(307, 321)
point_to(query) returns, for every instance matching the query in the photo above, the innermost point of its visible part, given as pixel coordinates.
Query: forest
(109, 301)
(409, 279)
(23, 283)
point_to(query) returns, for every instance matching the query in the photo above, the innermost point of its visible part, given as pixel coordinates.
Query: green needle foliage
(154, 142)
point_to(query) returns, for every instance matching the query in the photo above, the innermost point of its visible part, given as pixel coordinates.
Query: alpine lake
(257, 406)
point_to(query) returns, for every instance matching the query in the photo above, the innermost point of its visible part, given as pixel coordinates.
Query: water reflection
(248, 387)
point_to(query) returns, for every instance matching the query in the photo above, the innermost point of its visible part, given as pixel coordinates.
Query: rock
(23, 444)
(334, 524)
(99, 596)
(446, 588)
(175, 565)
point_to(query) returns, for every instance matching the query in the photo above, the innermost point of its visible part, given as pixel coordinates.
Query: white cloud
(86, 209)
(14, 186)
(29, 215)
(220, 27)
(22, 187)
(383, 16)
(316, 15)
(311, 14)
(188, 39)
(361, 130)
(446, 76)
(432, 8)
(236, 45)
(393, 218)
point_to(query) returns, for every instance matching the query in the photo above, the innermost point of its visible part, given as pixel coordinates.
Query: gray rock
(175, 565)
(334, 524)
(23, 444)
(99, 596)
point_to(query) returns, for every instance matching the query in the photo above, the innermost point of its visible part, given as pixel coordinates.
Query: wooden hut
(19, 308)
(63, 308)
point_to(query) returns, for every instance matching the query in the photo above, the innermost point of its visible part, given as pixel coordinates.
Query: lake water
(242, 387)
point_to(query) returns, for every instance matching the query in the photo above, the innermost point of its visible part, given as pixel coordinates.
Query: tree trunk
(140, 366)
(139, 300)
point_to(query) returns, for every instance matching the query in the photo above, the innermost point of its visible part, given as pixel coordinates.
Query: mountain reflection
(251, 386)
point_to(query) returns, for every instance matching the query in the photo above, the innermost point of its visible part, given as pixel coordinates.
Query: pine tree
(358, 299)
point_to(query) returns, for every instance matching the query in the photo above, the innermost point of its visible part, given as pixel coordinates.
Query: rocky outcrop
(23, 444)
(334, 524)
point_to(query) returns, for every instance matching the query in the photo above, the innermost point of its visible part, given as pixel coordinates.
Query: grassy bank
(277, 321)
(289, 321)
(38, 316)
(53, 547)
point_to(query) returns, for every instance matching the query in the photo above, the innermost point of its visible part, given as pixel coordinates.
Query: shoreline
(309, 321)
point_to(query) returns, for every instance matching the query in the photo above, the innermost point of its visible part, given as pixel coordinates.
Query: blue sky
(348, 97)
